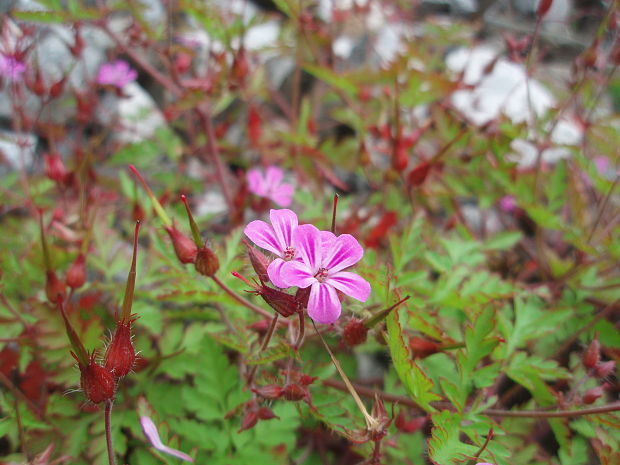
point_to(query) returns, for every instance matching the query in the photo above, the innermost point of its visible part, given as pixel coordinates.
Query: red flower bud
(184, 247)
(121, 355)
(590, 396)
(249, 420)
(54, 167)
(57, 88)
(54, 287)
(254, 126)
(76, 274)
(422, 348)
(604, 369)
(592, 354)
(294, 392)
(207, 262)
(259, 261)
(265, 413)
(354, 333)
(543, 7)
(409, 426)
(418, 174)
(97, 381)
(283, 303)
(271, 391)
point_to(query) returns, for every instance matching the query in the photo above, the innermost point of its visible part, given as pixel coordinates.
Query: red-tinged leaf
(418, 385)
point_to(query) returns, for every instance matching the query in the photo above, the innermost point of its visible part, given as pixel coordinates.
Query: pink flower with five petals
(116, 73)
(276, 238)
(322, 259)
(270, 185)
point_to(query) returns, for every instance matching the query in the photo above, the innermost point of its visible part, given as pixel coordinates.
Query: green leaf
(445, 447)
(418, 385)
(504, 240)
(329, 77)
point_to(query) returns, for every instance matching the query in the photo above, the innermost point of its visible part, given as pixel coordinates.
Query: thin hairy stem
(108, 432)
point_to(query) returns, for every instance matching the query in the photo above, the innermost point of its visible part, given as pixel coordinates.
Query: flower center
(321, 275)
(289, 254)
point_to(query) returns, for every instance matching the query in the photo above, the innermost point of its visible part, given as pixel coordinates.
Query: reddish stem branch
(406, 401)
(241, 300)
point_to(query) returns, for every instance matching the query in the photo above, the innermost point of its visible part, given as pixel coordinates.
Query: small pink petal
(295, 273)
(256, 183)
(273, 176)
(307, 244)
(344, 252)
(507, 203)
(151, 433)
(274, 270)
(282, 195)
(351, 284)
(263, 236)
(284, 222)
(323, 305)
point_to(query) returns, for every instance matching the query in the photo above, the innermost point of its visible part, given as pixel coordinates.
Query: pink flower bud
(76, 274)
(604, 369)
(54, 287)
(543, 7)
(592, 354)
(184, 247)
(54, 167)
(592, 394)
(271, 391)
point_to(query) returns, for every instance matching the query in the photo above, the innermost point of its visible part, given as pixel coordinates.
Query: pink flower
(507, 203)
(11, 67)
(323, 256)
(277, 238)
(150, 431)
(116, 73)
(271, 185)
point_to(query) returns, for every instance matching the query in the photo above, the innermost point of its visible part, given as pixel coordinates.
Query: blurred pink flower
(323, 256)
(602, 164)
(116, 73)
(277, 238)
(507, 203)
(150, 431)
(11, 67)
(270, 185)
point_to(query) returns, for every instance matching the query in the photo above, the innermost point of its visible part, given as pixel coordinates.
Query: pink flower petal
(351, 284)
(284, 222)
(323, 305)
(295, 273)
(307, 243)
(263, 236)
(327, 240)
(273, 177)
(344, 252)
(256, 183)
(274, 270)
(151, 433)
(282, 195)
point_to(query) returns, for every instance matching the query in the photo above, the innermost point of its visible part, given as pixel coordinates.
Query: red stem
(108, 432)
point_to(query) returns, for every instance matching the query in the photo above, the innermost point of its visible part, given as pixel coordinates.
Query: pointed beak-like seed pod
(184, 247)
(121, 355)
